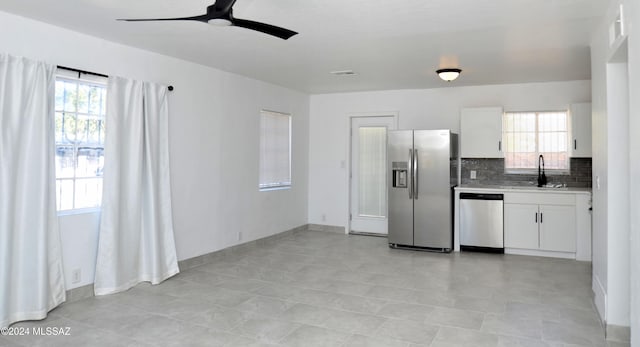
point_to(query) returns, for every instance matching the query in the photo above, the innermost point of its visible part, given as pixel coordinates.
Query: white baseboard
(207, 258)
(599, 298)
(538, 253)
(618, 333)
(326, 228)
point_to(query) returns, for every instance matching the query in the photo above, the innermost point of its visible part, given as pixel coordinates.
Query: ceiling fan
(221, 14)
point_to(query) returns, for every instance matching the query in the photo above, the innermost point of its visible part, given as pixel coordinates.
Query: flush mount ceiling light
(448, 74)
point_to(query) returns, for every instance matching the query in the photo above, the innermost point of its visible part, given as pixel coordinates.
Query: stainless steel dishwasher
(482, 222)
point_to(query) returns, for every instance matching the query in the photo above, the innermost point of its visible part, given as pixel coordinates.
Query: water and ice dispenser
(399, 174)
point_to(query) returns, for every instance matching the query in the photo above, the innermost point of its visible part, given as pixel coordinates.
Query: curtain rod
(93, 73)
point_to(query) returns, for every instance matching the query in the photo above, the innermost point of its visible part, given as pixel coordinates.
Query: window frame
(275, 185)
(534, 171)
(63, 75)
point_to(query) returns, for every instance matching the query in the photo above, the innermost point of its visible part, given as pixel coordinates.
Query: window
(527, 135)
(275, 150)
(79, 134)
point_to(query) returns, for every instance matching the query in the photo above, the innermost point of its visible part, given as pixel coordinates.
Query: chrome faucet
(542, 178)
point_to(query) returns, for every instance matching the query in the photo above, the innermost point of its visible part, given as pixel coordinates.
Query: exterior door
(368, 209)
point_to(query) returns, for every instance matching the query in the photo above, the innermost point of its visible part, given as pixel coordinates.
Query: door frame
(350, 117)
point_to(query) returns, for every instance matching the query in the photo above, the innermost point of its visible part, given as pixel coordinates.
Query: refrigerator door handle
(415, 174)
(410, 179)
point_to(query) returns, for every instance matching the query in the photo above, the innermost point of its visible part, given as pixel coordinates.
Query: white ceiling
(394, 44)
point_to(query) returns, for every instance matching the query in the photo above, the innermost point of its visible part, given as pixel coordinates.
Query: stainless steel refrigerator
(423, 167)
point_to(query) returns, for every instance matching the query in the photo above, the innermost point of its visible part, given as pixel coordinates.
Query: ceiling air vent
(343, 73)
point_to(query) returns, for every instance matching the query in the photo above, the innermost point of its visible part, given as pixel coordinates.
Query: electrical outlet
(473, 174)
(76, 276)
(239, 235)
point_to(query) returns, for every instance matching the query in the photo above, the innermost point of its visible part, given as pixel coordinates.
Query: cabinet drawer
(540, 198)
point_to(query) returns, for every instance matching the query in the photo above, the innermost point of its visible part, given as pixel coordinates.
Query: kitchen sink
(545, 187)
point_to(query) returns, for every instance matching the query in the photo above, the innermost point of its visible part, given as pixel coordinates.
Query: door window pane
(372, 171)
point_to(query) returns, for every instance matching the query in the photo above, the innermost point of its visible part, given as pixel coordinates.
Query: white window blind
(527, 135)
(275, 150)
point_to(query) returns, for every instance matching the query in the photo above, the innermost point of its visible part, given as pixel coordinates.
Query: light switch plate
(473, 174)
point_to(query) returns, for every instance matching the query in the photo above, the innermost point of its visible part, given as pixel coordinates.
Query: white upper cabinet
(481, 132)
(581, 130)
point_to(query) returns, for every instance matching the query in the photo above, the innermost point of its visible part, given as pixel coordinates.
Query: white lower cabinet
(557, 228)
(520, 228)
(544, 225)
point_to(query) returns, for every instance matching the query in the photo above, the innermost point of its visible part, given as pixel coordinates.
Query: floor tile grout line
(366, 283)
(301, 283)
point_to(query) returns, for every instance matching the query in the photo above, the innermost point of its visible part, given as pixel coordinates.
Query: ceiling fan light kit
(448, 74)
(221, 14)
(220, 22)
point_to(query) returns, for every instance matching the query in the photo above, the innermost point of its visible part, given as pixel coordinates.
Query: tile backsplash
(491, 172)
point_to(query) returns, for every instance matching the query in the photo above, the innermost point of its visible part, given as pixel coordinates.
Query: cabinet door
(581, 130)
(558, 228)
(481, 132)
(521, 226)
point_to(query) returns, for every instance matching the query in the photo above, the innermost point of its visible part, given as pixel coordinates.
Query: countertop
(524, 189)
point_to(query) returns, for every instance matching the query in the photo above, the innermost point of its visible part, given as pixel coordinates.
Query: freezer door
(399, 152)
(432, 189)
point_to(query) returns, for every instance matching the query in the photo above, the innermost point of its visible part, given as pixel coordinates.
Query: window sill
(79, 211)
(268, 189)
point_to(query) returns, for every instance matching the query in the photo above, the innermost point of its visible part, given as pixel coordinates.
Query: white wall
(599, 168)
(618, 193)
(79, 234)
(214, 127)
(632, 12)
(615, 161)
(417, 109)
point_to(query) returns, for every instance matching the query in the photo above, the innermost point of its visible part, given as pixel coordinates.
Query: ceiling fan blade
(264, 28)
(222, 5)
(202, 18)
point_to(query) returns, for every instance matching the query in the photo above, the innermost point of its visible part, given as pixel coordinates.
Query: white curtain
(31, 275)
(136, 241)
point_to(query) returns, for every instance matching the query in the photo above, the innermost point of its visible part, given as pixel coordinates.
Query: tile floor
(324, 289)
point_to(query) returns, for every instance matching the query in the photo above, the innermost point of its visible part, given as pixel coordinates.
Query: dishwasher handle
(475, 196)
